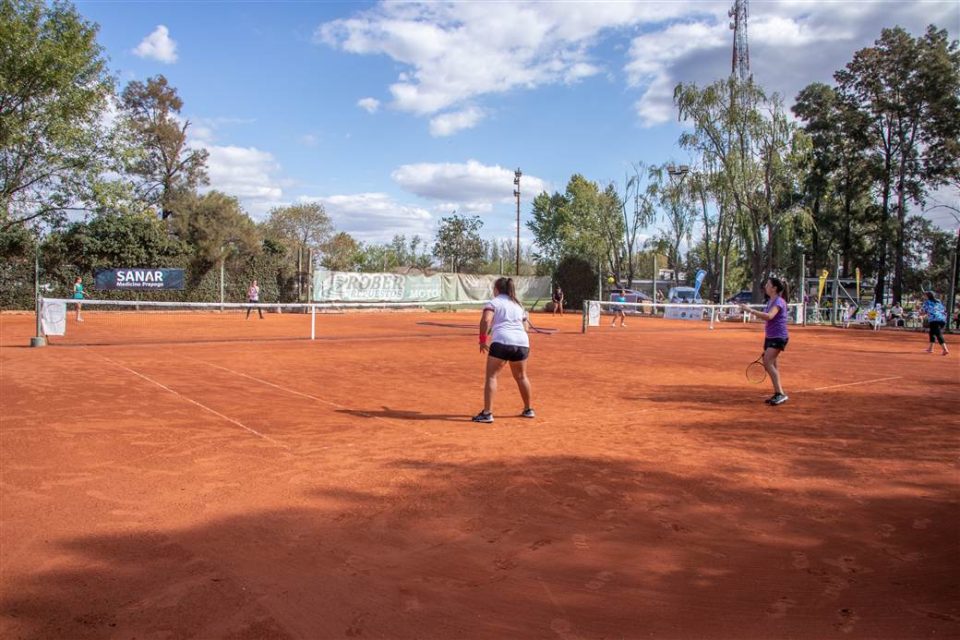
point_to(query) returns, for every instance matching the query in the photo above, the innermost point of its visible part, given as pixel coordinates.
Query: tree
(642, 215)
(215, 227)
(54, 88)
(166, 166)
(303, 226)
(578, 279)
(837, 185)
(340, 253)
(304, 229)
(907, 89)
(584, 221)
(548, 222)
(674, 200)
(761, 155)
(458, 241)
(128, 240)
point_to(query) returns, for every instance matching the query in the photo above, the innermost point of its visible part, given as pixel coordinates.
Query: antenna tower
(741, 50)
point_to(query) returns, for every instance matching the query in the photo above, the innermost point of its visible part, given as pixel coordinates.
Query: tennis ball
(611, 280)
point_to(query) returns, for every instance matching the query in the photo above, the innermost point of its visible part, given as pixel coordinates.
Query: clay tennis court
(186, 488)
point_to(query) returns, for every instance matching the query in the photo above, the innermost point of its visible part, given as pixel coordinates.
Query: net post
(313, 322)
(39, 340)
(583, 318)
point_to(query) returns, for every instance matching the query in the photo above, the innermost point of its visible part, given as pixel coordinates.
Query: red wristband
(483, 338)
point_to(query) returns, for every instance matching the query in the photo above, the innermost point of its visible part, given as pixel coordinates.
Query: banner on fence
(593, 314)
(341, 286)
(53, 318)
(138, 279)
(683, 312)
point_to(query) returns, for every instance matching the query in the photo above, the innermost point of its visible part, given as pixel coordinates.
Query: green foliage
(165, 167)
(761, 160)
(928, 256)
(578, 279)
(341, 253)
(17, 247)
(54, 87)
(583, 221)
(906, 90)
(112, 241)
(458, 243)
(301, 226)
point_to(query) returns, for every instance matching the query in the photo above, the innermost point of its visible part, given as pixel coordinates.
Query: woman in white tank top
(503, 337)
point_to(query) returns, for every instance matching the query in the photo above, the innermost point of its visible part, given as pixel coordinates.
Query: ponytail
(505, 286)
(780, 286)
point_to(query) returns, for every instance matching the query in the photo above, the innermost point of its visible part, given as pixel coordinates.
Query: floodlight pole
(516, 194)
(677, 173)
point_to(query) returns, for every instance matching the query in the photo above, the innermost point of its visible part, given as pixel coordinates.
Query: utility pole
(516, 194)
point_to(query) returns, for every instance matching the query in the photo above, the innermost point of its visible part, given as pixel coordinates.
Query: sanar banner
(138, 279)
(338, 286)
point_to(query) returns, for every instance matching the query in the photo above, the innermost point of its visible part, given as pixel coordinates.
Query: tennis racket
(544, 330)
(756, 372)
(534, 328)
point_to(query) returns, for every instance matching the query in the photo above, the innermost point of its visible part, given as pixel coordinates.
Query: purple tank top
(777, 326)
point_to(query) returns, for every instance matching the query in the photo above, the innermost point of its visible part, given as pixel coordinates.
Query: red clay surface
(331, 489)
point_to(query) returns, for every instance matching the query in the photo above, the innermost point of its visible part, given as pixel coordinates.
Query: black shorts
(775, 343)
(509, 352)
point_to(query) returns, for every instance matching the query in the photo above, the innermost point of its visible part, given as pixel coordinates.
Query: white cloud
(158, 46)
(247, 173)
(791, 45)
(309, 140)
(375, 217)
(454, 53)
(370, 105)
(449, 123)
(469, 188)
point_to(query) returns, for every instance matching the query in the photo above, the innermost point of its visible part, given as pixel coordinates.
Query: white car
(684, 294)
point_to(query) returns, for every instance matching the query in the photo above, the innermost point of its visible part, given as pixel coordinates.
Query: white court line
(305, 395)
(192, 401)
(849, 384)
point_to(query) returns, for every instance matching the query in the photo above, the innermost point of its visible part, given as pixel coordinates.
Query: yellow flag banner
(823, 284)
(858, 285)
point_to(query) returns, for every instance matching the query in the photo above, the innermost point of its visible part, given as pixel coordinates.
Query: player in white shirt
(503, 337)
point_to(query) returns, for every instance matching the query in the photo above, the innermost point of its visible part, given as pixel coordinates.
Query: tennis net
(102, 322)
(596, 312)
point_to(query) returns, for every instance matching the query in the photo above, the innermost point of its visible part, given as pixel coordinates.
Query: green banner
(340, 286)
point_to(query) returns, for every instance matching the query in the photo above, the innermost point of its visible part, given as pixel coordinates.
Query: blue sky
(393, 115)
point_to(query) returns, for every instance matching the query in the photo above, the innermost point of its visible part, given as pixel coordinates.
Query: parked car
(683, 294)
(742, 297)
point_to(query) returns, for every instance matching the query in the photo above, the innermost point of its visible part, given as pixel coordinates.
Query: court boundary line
(194, 402)
(849, 384)
(336, 405)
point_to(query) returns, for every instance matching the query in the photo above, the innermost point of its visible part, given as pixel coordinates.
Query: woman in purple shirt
(775, 333)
